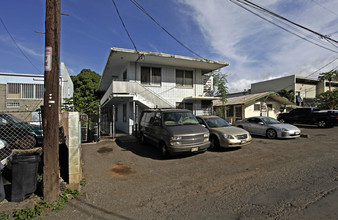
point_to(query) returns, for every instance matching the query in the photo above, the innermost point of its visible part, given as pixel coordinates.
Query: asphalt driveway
(268, 179)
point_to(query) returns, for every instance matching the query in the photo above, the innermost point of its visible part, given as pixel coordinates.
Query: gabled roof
(250, 98)
(119, 58)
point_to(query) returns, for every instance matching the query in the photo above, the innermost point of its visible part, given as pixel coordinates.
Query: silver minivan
(173, 131)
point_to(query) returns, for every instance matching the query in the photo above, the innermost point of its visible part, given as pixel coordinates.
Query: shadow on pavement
(132, 144)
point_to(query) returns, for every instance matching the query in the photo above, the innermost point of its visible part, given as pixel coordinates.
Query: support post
(51, 185)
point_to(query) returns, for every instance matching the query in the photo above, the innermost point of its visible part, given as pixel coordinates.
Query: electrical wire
(325, 7)
(16, 44)
(285, 19)
(124, 26)
(164, 29)
(294, 29)
(322, 67)
(316, 41)
(307, 77)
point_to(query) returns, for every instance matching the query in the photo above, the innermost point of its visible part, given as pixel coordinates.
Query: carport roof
(118, 59)
(248, 99)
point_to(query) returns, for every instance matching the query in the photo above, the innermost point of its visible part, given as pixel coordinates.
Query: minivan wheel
(271, 134)
(164, 150)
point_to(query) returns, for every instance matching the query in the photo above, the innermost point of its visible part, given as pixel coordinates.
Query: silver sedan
(269, 127)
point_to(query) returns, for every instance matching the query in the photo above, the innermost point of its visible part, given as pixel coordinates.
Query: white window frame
(152, 77)
(24, 91)
(185, 83)
(12, 104)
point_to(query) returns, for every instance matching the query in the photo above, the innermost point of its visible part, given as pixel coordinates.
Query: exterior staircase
(139, 93)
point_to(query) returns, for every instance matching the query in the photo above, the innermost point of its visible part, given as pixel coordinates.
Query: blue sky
(215, 29)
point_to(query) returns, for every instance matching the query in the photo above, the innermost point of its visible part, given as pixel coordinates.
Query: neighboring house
(135, 80)
(305, 89)
(260, 104)
(23, 93)
(66, 83)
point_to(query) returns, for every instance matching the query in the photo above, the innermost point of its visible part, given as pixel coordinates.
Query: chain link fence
(19, 131)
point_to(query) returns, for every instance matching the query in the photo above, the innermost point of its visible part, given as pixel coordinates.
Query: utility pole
(51, 185)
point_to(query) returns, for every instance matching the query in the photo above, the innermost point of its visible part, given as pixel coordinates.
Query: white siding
(168, 89)
(250, 112)
(306, 90)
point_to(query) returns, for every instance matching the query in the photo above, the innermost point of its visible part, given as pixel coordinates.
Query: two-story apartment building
(305, 89)
(135, 80)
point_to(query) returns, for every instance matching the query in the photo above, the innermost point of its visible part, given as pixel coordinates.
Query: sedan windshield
(270, 121)
(179, 118)
(217, 122)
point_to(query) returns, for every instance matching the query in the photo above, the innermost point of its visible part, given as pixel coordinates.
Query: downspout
(195, 86)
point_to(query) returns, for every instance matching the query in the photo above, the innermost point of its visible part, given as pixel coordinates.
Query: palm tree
(329, 76)
(289, 94)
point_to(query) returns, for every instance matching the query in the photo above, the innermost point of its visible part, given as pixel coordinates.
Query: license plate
(194, 149)
(243, 142)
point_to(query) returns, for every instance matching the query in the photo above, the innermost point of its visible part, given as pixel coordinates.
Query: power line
(244, 3)
(325, 7)
(18, 45)
(285, 19)
(183, 45)
(124, 26)
(333, 33)
(322, 67)
(307, 90)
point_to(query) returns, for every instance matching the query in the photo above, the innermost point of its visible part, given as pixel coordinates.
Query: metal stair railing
(122, 87)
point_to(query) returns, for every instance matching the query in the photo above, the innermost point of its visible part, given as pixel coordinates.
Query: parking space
(270, 178)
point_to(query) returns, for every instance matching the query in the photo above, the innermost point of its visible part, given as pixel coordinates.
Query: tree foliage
(288, 94)
(327, 100)
(85, 98)
(329, 76)
(220, 85)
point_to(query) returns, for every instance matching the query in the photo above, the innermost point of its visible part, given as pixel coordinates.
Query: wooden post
(51, 185)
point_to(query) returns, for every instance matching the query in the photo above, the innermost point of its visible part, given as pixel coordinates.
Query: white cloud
(256, 49)
(31, 52)
(28, 51)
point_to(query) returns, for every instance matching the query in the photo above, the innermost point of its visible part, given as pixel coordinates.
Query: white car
(5, 153)
(269, 127)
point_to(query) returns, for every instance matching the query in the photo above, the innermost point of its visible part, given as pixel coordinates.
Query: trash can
(24, 176)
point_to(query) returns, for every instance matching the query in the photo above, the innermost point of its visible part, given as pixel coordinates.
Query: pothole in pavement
(103, 150)
(121, 170)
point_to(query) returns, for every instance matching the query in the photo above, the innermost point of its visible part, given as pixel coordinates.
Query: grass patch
(30, 213)
(66, 195)
(83, 182)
